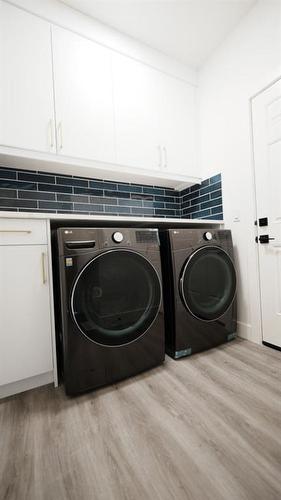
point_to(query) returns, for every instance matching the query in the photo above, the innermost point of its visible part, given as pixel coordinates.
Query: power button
(208, 236)
(117, 237)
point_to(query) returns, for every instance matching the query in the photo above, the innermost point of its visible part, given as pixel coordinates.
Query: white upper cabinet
(155, 119)
(26, 86)
(83, 97)
(136, 114)
(177, 124)
(98, 113)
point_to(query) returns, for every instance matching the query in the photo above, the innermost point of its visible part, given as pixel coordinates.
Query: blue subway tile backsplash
(203, 201)
(39, 192)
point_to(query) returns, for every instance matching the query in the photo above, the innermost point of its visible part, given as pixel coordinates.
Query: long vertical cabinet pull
(60, 135)
(160, 156)
(44, 274)
(51, 134)
(165, 157)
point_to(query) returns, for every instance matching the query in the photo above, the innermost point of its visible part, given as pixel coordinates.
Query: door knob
(264, 238)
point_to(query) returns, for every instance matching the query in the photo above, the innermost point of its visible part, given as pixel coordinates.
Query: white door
(136, 98)
(25, 324)
(266, 110)
(26, 85)
(177, 123)
(84, 97)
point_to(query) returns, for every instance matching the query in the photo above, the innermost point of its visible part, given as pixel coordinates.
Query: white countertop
(107, 218)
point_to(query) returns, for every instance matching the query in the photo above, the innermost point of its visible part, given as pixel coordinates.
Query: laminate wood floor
(204, 427)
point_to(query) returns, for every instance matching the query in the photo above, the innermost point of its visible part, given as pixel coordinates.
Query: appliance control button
(117, 237)
(208, 236)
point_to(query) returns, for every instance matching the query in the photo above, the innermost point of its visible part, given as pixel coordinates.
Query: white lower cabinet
(25, 313)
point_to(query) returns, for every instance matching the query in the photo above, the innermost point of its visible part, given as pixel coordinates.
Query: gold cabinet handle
(15, 231)
(44, 275)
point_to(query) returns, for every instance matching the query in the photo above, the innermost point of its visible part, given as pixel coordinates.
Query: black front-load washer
(199, 283)
(112, 323)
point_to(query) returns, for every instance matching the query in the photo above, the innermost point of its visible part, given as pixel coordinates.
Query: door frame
(262, 89)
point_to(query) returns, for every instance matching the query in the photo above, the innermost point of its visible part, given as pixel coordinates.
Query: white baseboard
(247, 332)
(26, 384)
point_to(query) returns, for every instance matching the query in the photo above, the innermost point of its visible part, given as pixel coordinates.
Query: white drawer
(23, 232)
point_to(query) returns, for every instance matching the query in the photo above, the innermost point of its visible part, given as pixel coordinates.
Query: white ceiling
(188, 31)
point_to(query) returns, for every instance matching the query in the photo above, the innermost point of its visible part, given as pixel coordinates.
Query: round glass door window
(116, 297)
(208, 283)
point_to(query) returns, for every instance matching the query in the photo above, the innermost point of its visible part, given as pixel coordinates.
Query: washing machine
(199, 283)
(111, 313)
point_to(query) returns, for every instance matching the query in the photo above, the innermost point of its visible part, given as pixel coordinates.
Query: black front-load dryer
(112, 323)
(199, 283)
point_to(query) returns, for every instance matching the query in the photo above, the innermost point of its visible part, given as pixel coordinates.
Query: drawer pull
(15, 231)
(44, 275)
(80, 244)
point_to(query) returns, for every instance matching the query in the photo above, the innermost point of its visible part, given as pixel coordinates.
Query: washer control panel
(117, 237)
(208, 236)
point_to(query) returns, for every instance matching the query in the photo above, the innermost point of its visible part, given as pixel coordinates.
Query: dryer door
(116, 297)
(208, 283)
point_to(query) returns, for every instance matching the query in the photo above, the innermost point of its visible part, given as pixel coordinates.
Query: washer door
(208, 283)
(116, 297)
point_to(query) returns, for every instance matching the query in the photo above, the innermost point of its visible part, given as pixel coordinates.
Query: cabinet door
(26, 95)
(84, 97)
(25, 324)
(136, 114)
(177, 125)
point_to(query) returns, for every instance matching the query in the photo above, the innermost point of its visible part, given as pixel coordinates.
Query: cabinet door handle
(51, 133)
(44, 274)
(27, 231)
(160, 156)
(165, 157)
(60, 135)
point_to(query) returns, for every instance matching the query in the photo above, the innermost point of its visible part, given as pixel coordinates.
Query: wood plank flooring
(206, 427)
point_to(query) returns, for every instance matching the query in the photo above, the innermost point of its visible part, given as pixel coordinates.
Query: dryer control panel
(77, 240)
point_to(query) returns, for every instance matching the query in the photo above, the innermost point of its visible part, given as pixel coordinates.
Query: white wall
(57, 12)
(247, 61)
